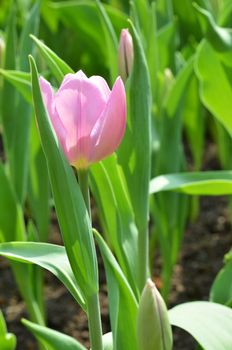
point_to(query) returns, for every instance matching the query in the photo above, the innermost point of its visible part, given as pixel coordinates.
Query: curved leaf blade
(48, 256)
(70, 207)
(209, 323)
(207, 183)
(221, 290)
(123, 304)
(53, 339)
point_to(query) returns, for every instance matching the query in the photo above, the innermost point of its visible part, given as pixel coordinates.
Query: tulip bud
(153, 326)
(125, 54)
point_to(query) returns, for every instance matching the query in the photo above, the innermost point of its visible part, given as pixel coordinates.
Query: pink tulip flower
(88, 118)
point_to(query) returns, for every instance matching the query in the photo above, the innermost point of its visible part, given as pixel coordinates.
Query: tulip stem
(83, 180)
(143, 250)
(94, 320)
(93, 306)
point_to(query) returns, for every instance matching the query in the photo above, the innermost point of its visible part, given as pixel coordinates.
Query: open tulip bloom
(88, 118)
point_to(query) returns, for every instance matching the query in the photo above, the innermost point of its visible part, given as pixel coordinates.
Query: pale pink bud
(88, 118)
(125, 54)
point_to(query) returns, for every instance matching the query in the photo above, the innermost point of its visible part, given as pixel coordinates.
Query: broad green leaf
(58, 67)
(205, 183)
(70, 207)
(221, 290)
(11, 215)
(48, 256)
(111, 40)
(214, 79)
(220, 38)
(53, 339)
(209, 323)
(111, 194)
(122, 302)
(20, 80)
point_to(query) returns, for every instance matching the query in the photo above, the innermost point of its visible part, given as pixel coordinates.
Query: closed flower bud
(153, 326)
(125, 54)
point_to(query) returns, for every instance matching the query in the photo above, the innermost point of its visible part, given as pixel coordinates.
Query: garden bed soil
(204, 245)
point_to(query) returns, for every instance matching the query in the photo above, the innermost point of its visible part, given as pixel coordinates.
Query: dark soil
(205, 243)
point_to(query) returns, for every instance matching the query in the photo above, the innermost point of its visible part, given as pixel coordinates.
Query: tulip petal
(79, 103)
(49, 102)
(110, 127)
(73, 76)
(102, 84)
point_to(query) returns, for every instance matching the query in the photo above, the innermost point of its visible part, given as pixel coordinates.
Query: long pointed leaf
(53, 339)
(70, 207)
(48, 256)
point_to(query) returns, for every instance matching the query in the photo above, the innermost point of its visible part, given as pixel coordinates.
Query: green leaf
(70, 207)
(75, 15)
(58, 67)
(194, 122)
(111, 194)
(20, 144)
(221, 290)
(214, 79)
(134, 153)
(8, 92)
(164, 12)
(53, 339)
(166, 38)
(209, 323)
(7, 340)
(220, 38)
(48, 256)
(111, 40)
(122, 302)
(20, 80)
(26, 44)
(205, 183)
(38, 185)
(11, 215)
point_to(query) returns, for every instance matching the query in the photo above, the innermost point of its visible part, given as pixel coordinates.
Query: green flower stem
(93, 306)
(94, 319)
(143, 250)
(83, 180)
